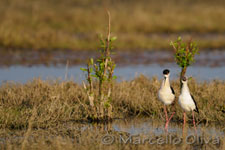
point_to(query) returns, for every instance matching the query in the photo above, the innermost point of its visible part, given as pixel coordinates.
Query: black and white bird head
(184, 80)
(166, 73)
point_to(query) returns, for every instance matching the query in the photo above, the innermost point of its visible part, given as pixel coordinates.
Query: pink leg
(166, 125)
(194, 121)
(171, 117)
(168, 121)
(165, 113)
(184, 122)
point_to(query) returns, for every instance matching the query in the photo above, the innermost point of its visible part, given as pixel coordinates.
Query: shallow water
(22, 67)
(135, 126)
(120, 131)
(24, 74)
(147, 126)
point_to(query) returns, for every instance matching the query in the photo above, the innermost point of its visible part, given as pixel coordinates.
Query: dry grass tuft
(58, 102)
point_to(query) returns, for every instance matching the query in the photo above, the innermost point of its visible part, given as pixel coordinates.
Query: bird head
(184, 80)
(166, 73)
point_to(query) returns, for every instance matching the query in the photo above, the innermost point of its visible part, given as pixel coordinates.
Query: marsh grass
(51, 114)
(74, 138)
(59, 101)
(41, 24)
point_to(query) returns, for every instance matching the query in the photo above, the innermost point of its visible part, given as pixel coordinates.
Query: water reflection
(145, 126)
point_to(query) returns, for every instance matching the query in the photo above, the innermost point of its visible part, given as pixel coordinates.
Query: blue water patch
(128, 72)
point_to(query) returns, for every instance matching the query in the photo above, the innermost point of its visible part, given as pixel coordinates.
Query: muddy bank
(212, 58)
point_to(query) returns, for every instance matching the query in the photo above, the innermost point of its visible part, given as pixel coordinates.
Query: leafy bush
(184, 54)
(101, 71)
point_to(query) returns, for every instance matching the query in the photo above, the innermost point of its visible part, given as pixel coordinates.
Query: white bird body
(166, 93)
(185, 100)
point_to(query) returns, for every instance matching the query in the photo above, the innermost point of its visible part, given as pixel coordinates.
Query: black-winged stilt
(187, 101)
(166, 94)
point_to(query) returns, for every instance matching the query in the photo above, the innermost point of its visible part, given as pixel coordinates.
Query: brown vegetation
(56, 102)
(142, 24)
(73, 138)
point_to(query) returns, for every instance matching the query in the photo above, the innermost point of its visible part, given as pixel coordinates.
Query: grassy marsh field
(53, 102)
(61, 114)
(49, 115)
(143, 24)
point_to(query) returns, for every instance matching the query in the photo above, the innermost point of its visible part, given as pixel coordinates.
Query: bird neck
(166, 82)
(184, 88)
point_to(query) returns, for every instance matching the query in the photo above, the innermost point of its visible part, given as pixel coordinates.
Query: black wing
(172, 90)
(196, 107)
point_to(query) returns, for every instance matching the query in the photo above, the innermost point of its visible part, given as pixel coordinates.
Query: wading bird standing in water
(166, 94)
(187, 101)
